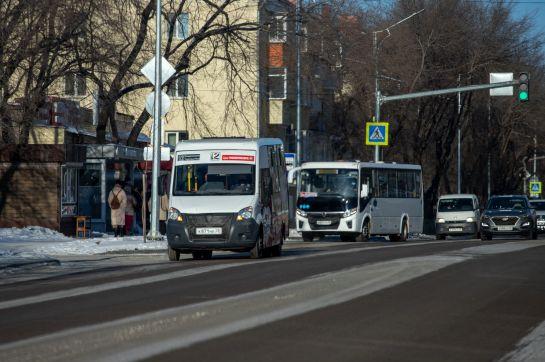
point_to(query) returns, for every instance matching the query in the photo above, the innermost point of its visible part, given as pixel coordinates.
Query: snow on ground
(35, 242)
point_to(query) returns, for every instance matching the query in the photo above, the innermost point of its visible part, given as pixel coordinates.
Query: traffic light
(524, 87)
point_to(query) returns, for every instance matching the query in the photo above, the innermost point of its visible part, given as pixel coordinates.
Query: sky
(535, 9)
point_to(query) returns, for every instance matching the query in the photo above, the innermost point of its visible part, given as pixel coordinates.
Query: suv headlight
(245, 214)
(350, 212)
(301, 213)
(470, 219)
(440, 221)
(175, 214)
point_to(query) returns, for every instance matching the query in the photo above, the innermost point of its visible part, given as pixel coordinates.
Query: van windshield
(452, 205)
(330, 182)
(214, 179)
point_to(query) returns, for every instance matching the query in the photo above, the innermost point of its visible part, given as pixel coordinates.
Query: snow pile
(30, 233)
(35, 241)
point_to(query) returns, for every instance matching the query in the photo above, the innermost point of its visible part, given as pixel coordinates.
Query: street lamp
(378, 99)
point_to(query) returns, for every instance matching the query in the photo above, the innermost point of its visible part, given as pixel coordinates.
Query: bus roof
(357, 164)
(227, 144)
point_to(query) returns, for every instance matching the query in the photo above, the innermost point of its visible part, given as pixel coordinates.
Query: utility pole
(459, 162)
(154, 229)
(489, 166)
(535, 156)
(378, 97)
(298, 34)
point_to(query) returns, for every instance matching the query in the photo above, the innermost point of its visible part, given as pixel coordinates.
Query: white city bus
(356, 200)
(228, 194)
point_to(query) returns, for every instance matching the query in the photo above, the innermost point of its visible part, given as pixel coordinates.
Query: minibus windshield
(330, 182)
(214, 179)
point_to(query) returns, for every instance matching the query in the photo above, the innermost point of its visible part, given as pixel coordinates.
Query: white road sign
(167, 70)
(498, 78)
(150, 103)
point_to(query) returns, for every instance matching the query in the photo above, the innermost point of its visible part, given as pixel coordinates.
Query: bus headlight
(174, 214)
(245, 213)
(440, 221)
(301, 213)
(350, 212)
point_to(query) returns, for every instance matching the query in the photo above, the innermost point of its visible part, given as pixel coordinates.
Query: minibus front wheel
(257, 250)
(173, 254)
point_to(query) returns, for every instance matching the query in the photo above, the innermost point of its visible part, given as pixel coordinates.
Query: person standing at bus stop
(117, 200)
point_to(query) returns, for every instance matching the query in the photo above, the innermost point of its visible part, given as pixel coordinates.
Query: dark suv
(508, 215)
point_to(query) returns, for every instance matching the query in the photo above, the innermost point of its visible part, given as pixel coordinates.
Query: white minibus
(358, 199)
(228, 194)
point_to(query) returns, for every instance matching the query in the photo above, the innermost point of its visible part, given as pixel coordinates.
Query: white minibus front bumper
(327, 222)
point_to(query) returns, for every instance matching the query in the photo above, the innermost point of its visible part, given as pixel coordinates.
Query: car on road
(457, 214)
(508, 215)
(539, 206)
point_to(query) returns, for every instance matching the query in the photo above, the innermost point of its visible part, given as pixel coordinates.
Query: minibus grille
(207, 220)
(324, 221)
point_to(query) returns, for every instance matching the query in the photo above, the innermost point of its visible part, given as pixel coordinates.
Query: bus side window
(366, 178)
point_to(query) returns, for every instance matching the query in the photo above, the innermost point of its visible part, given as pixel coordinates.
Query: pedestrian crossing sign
(535, 187)
(376, 133)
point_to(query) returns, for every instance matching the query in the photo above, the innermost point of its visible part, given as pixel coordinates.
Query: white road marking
(529, 348)
(151, 334)
(75, 292)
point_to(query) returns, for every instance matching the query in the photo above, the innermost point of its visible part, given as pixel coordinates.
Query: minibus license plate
(505, 228)
(456, 229)
(323, 222)
(208, 231)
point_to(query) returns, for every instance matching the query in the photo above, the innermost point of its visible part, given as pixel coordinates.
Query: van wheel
(308, 237)
(202, 255)
(276, 250)
(173, 254)
(440, 237)
(257, 250)
(365, 232)
(534, 235)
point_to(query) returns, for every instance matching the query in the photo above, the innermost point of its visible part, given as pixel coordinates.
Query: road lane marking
(529, 348)
(151, 334)
(79, 291)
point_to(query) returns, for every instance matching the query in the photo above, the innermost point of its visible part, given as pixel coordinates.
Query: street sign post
(376, 133)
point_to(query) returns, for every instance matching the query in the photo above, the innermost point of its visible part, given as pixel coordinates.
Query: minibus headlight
(301, 212)
(470, 219)
(440, 221)
(174, 214)
(350, 212)
(245, 213)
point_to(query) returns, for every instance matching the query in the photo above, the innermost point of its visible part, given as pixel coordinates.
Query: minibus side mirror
(291, 175)
(364, 191)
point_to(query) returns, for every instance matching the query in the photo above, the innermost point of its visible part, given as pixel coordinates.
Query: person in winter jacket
(163, 212)
(129, 211)
(117, 200)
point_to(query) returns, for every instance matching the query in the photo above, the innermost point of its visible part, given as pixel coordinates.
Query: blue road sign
(535, 187)
(376, 134)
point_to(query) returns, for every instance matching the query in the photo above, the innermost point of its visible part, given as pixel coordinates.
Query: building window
(74, 85)
(277, 83)
(181, 25)
(278, 29)
(176, 136)
(179, 87)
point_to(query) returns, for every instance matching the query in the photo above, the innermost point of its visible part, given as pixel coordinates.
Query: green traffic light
(523, 96)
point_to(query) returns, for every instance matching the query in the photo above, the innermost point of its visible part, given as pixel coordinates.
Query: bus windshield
(214, 179)
(452, 205)
(330, 182)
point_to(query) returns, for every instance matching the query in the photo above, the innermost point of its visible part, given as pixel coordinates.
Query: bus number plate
(323, 222)
(208, 231)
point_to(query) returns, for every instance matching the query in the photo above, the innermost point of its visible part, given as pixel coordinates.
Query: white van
(457, 214)
(228, 194)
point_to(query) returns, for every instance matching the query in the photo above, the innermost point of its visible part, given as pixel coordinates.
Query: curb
(17, 264)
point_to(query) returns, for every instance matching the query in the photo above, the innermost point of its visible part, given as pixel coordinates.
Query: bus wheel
(173, 254)
(365, 233)
(257, 250)
(308, 237)
(404, 231)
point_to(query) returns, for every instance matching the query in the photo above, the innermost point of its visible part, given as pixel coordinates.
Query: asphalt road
(326, 301)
